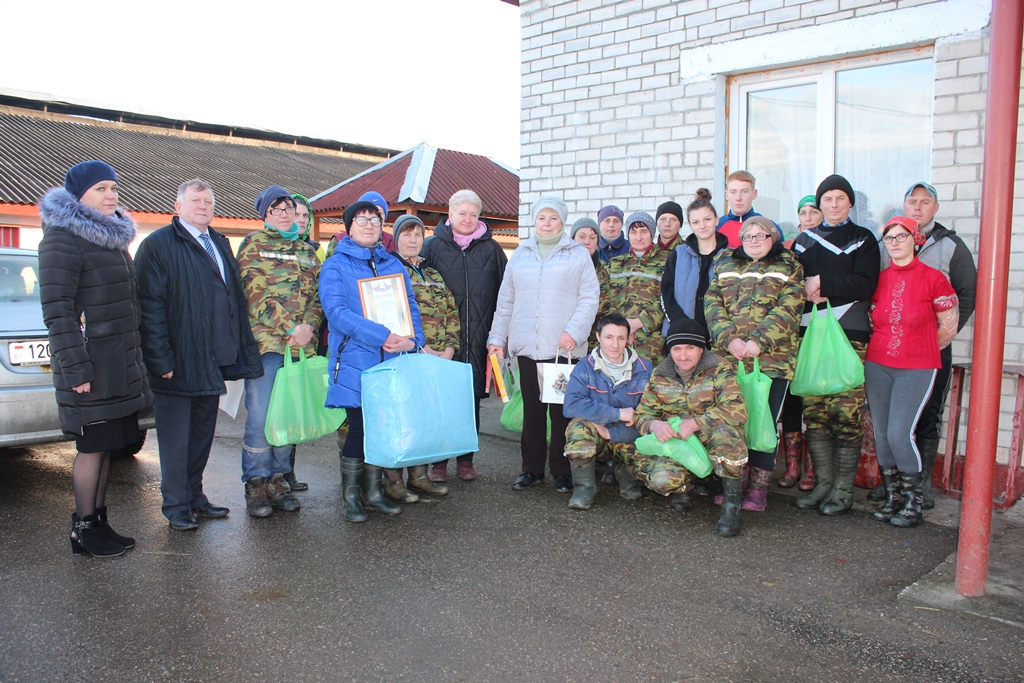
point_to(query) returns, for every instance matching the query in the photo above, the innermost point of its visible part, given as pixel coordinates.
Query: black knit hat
(672, 208)
(352, 210)
(685, 331)
(835, 182)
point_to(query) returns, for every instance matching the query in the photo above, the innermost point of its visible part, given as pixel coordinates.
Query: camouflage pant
(838, 414)
(583, 445)
(726, 448)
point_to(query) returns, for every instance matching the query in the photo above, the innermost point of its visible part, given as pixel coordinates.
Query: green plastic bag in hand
(512, 412)
(297, 411)
(761, 432)
(827, 363)
(689, 452)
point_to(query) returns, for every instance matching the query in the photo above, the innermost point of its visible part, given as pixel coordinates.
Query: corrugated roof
(35, 153)
(429, 176)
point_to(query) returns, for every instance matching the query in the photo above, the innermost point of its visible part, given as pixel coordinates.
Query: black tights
(89, 478)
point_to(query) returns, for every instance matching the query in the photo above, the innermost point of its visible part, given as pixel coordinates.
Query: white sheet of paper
(230, 401)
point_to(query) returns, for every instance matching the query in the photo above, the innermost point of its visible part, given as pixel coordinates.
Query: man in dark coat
(472, 265)
(195, 335)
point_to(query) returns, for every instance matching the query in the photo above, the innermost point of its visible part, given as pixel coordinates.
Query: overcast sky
(391, 73)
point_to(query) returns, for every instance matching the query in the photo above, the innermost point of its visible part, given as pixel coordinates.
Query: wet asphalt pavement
(487, 584)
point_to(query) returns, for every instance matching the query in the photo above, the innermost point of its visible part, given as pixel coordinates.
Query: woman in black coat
(91, 310)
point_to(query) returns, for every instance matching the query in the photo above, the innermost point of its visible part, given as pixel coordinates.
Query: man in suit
(195, 335)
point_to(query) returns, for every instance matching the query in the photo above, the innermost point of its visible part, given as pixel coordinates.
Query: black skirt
(109, 435)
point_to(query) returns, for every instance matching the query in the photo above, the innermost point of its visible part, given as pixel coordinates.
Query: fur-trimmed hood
(61, 210)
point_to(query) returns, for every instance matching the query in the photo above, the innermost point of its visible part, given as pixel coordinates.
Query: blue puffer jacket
(591, 396)
(355, 343)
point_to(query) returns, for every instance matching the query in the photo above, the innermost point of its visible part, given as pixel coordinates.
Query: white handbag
(554, 379)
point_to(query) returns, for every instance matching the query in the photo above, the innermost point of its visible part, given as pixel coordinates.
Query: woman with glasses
(279, 275)
(914, 312)
(356, 343)
(753, 307)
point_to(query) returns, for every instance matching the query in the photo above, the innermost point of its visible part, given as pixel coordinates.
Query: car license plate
(29, 353)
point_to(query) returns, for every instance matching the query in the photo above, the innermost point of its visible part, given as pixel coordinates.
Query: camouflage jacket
(279, 277)
(758, 301)
(672, 244)
(438, 313)
(633, 288)
(711, 396)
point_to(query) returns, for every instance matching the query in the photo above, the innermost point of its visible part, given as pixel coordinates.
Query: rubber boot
(878, 493)
(88, 537)
(629, 487)
(744, 477)
(680, 502)
(584, 486)
(910, 514)
(732, 517)
(373, 496)
(807, 481)
(351, 473)
(844, 470)
(756, 499)
(822, 448)
(794, 447)
(893, 495)
(929, 449)
(419, 480)
(293, 483)
(127, 541)
(394, 487)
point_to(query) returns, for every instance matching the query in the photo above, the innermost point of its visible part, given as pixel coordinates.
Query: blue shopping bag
(418, 409)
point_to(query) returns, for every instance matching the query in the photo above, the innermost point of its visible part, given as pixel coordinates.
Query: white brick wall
(607, 118)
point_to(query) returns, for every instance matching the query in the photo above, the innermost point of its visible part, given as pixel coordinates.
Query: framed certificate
(385, 301)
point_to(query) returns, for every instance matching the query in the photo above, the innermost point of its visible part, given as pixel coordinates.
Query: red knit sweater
(903, 314)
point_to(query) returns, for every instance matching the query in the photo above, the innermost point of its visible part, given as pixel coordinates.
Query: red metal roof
(428, 176)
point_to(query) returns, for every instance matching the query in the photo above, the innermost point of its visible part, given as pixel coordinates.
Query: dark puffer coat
(474, 277)
(177, 296)
(91, 309)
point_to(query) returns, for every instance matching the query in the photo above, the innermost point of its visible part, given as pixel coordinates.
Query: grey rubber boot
(845, 468)
(351, 473)
(373, 495)
(822, 448)
(584, 486)
(929, 449)
(629, 488)
(731, 520)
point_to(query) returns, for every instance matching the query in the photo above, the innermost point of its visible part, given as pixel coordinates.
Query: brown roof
(428, 176)
(36, 150)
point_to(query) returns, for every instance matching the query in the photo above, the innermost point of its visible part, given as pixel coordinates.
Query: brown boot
(419, 480)
(807, 481)
(794, 443)
(394, 487)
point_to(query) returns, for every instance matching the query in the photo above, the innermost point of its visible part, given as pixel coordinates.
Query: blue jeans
(259, 458)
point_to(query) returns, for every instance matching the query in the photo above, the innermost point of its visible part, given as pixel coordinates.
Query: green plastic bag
(297, 411)
(761, 431)
(689, 452)
(512, 413)
(826, 363)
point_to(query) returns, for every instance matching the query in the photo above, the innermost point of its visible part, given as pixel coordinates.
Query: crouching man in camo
(699, 387)
(600, 400)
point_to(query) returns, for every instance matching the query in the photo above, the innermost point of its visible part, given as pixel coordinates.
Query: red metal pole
(1006, 27)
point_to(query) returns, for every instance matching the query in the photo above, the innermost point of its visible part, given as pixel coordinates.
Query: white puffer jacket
(539, 300)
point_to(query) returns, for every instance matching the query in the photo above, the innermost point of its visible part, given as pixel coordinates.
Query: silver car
(28, 406)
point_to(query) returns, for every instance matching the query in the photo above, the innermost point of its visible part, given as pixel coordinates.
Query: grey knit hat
(553, 203)
(640, 217)
(583, 223)
(405, 222)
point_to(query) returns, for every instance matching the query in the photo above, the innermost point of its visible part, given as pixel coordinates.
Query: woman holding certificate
(370, 318)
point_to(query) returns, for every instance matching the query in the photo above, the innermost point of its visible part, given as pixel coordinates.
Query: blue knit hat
(377, 199)
(81, 177)
(269, 197)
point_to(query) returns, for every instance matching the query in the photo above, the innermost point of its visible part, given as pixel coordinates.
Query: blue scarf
(291, 234)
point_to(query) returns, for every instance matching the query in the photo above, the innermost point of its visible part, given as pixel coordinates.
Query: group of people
(674, 318)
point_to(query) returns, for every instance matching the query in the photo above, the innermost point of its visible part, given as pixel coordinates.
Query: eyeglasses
(361, 221)
(759, 237)
(901, 238)
(282, 211)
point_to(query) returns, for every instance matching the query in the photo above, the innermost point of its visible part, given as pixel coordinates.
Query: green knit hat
(809, 199)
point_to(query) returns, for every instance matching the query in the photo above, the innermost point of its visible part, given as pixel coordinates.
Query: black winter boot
(293, 483)
(822, 448)
(845, 468)
(373, 495)
(351, 473)
(584, 486)
(732, 517)
(893, 495)
(910, 515)
(88, 537)
(929, 449)
(127, 541)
